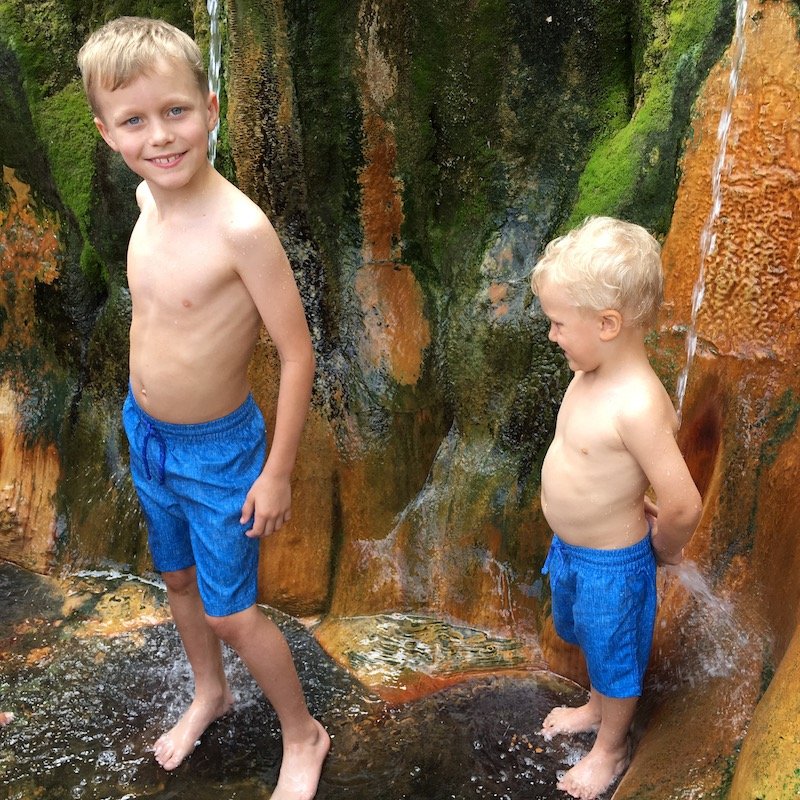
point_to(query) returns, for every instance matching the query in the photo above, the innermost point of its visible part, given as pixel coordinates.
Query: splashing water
(89, 705)
(214, 64)
(723, 640)
(708, 238)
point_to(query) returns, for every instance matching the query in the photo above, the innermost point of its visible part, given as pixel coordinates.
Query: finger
(259, 521)
(247, 510)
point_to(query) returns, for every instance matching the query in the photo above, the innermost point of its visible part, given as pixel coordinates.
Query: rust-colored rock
(29, 478)
(768, 762)
(395, 329)
(752, 279)
(29, 472)
(740, 419)
(561, 657)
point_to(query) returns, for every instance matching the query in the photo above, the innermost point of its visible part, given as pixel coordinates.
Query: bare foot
(173, 746)
(5, 718)
(301, 767)
(564, 719)
(595, 772)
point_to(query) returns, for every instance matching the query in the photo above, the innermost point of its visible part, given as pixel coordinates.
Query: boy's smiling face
(575, 330)
(159, 123)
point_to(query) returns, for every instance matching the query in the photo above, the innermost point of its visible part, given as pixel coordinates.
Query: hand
(268, 504)
(650, 511)
(664, 558)
(668, 559)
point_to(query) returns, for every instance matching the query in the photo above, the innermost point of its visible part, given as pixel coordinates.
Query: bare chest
(587, 428)
(177, 270)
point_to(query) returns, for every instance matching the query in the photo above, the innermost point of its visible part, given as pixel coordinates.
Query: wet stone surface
(90, 704)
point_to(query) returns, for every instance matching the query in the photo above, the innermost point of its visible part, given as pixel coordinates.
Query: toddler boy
(600, 286)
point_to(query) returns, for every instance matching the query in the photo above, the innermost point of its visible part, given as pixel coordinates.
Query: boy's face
(159, 123)
(577, 331)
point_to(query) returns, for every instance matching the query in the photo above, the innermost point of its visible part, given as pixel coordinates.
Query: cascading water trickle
(708, 238)
(214, 64)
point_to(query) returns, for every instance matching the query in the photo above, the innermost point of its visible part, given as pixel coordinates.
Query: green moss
(321, 36)
(70, 138)
(447, 126)
(92, 267)
(633, 172)
(45, 36)
(785, 420)
(45, 39)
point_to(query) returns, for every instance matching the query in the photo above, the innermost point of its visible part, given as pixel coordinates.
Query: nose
(551, 334)
(160, 133)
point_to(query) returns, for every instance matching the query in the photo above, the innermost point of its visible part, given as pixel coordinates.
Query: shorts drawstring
(155, 434)
(555, 557)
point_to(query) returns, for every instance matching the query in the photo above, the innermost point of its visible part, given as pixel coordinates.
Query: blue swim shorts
(192, 481)
(604, 601)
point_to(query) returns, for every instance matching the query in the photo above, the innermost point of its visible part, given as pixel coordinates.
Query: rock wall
(415, 159)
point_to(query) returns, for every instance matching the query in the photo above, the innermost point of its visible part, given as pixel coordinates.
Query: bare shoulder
(143, 196)
(238, 214)
(645, 401)
(247, 229)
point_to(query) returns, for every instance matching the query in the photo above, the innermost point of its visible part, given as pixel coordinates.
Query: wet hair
(606, 263)
(128, 47)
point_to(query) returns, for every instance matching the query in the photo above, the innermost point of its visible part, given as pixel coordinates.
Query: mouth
(166, 161)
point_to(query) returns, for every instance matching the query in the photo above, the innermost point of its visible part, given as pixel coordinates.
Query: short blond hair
(128, 47)
(606, 263)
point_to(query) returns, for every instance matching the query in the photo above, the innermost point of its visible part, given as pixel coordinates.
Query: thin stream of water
(708, 238)
(724, 641)
(214, 67)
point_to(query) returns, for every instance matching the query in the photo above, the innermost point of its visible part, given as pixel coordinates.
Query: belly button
(583, 449)
(144, 392)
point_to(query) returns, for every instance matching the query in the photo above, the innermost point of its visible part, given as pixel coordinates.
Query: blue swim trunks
(192, 481)
(604, 601)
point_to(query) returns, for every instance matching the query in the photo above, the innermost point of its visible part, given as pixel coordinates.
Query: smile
(166, 161)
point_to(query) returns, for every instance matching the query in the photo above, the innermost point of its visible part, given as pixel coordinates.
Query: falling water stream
(707, 235)
(214, 69)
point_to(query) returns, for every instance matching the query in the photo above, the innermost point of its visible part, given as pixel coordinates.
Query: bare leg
(212, 697)
(609, 757)
(264, 651)
(583, 719)
(5, 718)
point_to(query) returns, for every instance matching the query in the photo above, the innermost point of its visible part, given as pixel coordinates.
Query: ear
(100, 125)
(610, 324)
(213, 110)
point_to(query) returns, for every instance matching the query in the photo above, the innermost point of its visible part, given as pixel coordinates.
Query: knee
(228, 628)
(181, 581)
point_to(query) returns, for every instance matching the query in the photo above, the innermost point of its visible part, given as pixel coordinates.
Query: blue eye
(175, 111)
(133, 121)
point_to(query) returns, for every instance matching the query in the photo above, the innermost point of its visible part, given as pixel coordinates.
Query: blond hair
(606, 263)
(128, 47)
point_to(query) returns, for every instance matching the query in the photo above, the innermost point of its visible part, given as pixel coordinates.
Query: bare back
(593, 486)
(195, 322)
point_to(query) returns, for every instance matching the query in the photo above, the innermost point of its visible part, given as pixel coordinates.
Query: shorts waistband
(618, 555)
(211, 428)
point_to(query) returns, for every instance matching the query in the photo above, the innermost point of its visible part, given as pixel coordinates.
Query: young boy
(205, 270)
(600, 286)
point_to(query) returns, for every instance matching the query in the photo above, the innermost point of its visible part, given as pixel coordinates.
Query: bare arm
(649, 435)
(266, 273)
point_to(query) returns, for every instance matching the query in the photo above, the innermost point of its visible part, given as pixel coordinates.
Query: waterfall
(708, 239)
(214, 63)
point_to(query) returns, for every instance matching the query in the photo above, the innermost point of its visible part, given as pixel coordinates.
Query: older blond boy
(600, 286)
(205, 271)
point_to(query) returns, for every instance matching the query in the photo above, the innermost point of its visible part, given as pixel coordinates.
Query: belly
(590, 506)
(175, 379)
